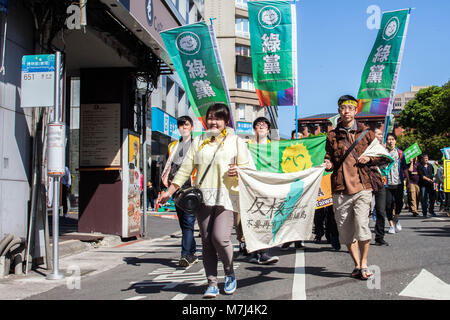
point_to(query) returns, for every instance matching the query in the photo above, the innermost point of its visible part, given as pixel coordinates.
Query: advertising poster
(134, 185)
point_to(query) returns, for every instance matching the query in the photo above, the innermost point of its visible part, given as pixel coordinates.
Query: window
(241, 111)
(243, 51)
(242, 27)
(241, 3)
(245, 82)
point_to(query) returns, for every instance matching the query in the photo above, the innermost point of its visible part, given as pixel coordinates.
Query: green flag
(412, 152)
(193, 51)
(273, 43)
(380, 75)
(334, 120)
(289, 155)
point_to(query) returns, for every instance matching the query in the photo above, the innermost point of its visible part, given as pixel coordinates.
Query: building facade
(320, 123)
(234, 45)
(400, 100)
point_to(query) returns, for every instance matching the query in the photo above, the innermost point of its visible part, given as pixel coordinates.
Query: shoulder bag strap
(209, 166)
(350, 149)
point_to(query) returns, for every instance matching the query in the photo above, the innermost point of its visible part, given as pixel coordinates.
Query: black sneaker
(317, 239)
(243, 249)
(335, 243)
(381, 243)
(254, 257)
(188, 260)
(183, 262)
(265, 258)
(299, 244)
(286, 246)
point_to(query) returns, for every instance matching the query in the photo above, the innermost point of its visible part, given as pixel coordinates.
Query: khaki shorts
(351, 213)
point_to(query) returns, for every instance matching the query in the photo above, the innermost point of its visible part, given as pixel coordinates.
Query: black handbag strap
(350, 149)
(209, 166)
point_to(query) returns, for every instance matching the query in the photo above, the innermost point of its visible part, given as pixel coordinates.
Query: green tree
(426, 119)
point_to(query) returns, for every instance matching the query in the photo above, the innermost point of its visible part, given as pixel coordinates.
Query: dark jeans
(150, 201)
(428, 196)
(380, 210)
(187, 222)
(65, 194)
(325, 215)
(394, 198)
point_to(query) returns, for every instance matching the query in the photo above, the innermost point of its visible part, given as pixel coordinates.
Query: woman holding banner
(224, 150)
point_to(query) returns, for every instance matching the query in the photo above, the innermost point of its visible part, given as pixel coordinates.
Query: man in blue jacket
(395, 185)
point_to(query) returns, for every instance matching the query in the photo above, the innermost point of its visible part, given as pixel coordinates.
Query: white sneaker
(391, 230)
(398, 227)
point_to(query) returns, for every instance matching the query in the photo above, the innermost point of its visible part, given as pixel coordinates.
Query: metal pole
(56, 275)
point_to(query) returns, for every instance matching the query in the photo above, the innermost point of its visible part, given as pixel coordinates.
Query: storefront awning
(146, 19)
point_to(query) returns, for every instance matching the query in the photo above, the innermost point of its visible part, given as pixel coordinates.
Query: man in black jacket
(426, 175)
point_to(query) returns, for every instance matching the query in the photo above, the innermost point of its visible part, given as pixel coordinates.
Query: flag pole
(296, 105)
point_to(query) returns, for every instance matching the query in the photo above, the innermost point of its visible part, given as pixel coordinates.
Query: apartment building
(231, 25)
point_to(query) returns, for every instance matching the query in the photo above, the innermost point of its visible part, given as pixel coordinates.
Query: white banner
(277, 207)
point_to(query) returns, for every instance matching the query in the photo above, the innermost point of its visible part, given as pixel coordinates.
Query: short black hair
(293, 135)
(183, 119)
(390, 134)
(346, 97)
(261, 119)
(219, 110)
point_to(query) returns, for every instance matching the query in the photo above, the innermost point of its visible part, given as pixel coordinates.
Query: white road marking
(180, 296)
(427, 286)
(136, 298)
(299, 283)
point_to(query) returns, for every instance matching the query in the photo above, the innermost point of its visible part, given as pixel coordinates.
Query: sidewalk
(78, 257)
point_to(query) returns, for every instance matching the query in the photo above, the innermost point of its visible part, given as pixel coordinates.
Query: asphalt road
(316, 273)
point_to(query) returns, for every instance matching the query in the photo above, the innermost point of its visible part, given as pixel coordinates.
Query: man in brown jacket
(351, 183)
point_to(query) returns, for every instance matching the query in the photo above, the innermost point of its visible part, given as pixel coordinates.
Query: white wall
(15, 122)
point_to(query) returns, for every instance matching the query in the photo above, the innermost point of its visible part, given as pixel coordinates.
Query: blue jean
(187, 222)
(428, 196)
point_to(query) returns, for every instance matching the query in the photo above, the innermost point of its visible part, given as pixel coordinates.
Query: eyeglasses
(262, 125)
(349, 108)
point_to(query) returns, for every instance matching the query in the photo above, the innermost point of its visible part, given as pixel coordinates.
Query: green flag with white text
(195, 56)
(380, 75)
(273, 43)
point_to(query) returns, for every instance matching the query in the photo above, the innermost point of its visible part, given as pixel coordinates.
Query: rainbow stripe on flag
(376, 106)
(276, 98)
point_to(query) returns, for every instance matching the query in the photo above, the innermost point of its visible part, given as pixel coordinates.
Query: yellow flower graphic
(295, 158)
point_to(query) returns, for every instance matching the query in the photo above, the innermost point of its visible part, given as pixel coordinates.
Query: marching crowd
(363, 185)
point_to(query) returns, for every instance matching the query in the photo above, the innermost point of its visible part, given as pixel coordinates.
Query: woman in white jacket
(220, 192)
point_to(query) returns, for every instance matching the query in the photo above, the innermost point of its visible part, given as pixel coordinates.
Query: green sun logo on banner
(188, 43)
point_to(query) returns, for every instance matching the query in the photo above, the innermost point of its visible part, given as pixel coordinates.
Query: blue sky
(334, 43)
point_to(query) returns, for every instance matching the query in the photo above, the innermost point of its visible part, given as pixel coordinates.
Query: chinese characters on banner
(274, 51)
(380, 75)
(277, 208)
(193, 51)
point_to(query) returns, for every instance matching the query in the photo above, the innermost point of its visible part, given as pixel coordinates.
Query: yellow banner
(447, 175)
(325, 198)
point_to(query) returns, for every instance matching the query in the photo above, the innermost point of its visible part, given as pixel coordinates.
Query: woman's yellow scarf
(213, 138)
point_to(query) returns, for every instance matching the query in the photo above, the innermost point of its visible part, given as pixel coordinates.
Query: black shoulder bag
(190, 199)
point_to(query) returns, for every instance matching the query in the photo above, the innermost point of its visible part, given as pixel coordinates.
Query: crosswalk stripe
(136, 298)
(299, 283)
